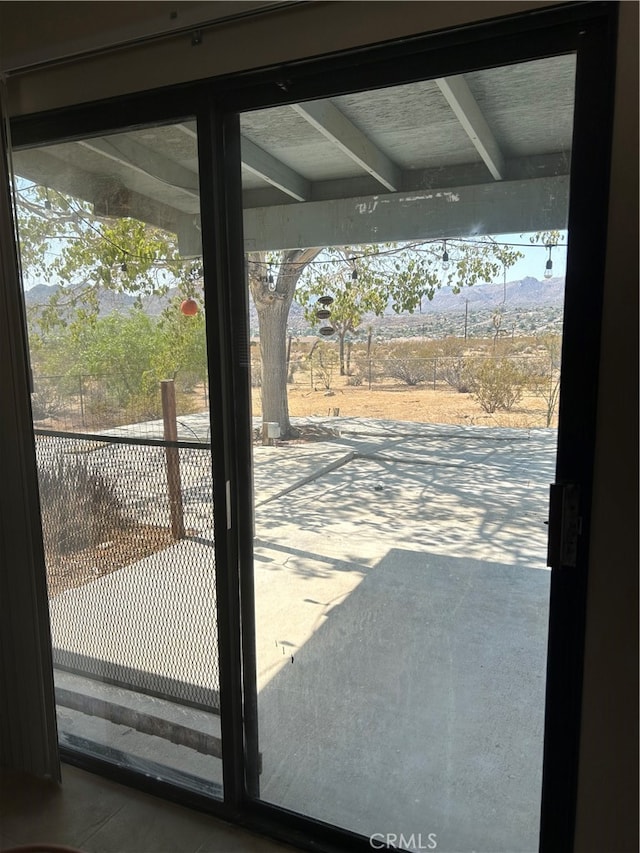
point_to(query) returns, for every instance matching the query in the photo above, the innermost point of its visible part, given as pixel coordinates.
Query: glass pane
(111, 252)
(405, 376)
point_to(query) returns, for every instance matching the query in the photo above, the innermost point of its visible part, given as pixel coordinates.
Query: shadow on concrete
(417, 706)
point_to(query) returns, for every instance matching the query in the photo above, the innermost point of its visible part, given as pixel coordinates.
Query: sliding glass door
(308, 349)
(405, 268)
(113, 284)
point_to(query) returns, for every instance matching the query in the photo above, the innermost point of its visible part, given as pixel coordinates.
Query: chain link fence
(321, 367)
(82, 402)
(128, 535)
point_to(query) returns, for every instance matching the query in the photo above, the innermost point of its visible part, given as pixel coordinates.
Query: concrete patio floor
(402, 603)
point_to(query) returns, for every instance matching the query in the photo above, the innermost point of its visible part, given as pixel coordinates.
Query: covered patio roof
(480, 153)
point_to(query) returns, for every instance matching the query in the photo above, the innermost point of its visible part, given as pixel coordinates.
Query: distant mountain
(109, 302)
(527, 294)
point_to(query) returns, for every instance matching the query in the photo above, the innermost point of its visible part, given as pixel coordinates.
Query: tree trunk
(272, 323)
(341, 337)
(273, 307)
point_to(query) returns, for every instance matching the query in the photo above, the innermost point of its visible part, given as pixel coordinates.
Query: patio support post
(174, 484)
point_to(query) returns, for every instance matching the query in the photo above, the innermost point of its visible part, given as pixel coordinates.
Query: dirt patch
(400, 402)
(75, 569)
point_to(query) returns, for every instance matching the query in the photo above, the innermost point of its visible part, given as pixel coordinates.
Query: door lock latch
(565, 524)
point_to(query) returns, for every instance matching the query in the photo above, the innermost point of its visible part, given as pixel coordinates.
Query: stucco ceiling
(494, 136)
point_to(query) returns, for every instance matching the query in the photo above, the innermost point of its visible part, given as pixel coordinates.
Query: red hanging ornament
(189, 307)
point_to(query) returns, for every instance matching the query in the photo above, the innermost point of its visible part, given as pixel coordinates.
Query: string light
(548, 270)
(445, 257)
(81, 215)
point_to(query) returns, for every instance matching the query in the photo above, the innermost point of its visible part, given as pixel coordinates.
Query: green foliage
(496, 383)
(130, 353)
(181, 348)
(63, 240)
(365, 280)
(369, 279)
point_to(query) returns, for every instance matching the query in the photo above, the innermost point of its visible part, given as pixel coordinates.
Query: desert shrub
(325, 363)
(146, 406)
(411, 362)
(187, 380)
(410, 370)
(363, 369)
(544, 373)
(496, 383)
(454, 370)
(453, 364)
(80, 508)
(46, 400)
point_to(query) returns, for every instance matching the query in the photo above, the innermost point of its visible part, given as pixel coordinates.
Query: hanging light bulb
(445, 257)
(548, 270)
(271, 282)
(124, 267)
(47, 201)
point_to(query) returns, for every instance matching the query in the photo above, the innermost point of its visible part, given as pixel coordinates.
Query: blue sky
(536, 255)
(532, 265)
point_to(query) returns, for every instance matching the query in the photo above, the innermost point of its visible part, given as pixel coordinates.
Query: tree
(272, 294)
(123, 255)
(65, 243)
(361, 280)
(356, 287)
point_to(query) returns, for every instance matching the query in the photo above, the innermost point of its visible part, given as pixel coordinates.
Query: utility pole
(466, 315)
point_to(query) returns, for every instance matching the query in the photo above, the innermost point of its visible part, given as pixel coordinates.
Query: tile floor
(99, 816)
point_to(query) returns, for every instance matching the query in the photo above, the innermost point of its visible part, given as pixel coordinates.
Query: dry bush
(80, 508)
(496, 383)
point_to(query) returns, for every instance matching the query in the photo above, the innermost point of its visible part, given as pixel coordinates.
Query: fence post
(168, 393)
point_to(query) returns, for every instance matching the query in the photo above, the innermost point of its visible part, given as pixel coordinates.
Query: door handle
(565, 524)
